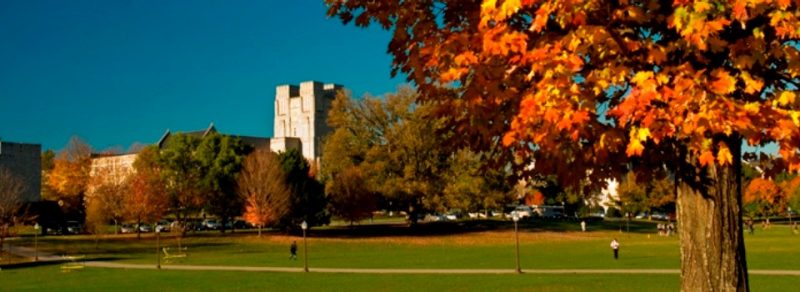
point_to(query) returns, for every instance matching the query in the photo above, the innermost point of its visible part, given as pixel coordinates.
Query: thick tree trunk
(710, 227)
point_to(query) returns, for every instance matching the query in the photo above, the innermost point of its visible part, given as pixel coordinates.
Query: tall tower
(300, 117)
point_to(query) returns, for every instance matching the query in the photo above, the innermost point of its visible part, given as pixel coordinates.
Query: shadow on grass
(471, 226)
(32, 264)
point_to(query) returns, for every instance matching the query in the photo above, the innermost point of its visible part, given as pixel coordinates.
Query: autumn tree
(145, 200)
(262, 186)
(584, 87)
(220, 158)
(105, 198)
(763, 197)
(791, 191)
(11, 192)
(350, 197)
(645, 194)
(468, 186)
(392, 142)
(69, 176)
(632, 196)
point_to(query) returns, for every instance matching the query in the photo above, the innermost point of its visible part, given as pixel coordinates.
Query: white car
(211, 225)
(522, 211)
(127, 228)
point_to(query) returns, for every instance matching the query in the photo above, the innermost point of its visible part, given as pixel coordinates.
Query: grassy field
(486, 245)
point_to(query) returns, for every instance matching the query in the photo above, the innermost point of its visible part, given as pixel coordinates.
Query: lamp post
(515, 218)
(304, 226)
(158, 249)
(36, 229)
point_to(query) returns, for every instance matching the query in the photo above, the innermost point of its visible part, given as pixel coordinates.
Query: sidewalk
(28, 252)
(414, 271)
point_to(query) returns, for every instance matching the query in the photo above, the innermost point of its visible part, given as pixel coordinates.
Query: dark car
(74, 227)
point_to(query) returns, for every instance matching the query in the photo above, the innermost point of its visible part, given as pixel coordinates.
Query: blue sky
(118, 72)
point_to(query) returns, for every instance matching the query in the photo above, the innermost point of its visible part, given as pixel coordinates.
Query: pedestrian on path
(615, 247)
(293, 250)
(583, 226)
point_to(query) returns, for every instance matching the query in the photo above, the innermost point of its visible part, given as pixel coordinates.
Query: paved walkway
(415, 271)
(28, 252)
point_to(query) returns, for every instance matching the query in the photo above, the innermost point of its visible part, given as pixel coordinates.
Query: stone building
(24, 161)
(119, 166)
(301, 114)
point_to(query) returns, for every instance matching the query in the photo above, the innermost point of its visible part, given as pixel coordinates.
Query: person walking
(583, 226)
(293, 250)
(615, 247)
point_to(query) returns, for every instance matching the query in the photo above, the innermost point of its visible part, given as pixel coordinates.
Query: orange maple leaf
(706, 158)
(635, 148)
(723, 83)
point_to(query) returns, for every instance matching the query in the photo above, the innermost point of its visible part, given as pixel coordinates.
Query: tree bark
(709, 213)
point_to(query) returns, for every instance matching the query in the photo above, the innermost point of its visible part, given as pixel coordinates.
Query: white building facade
(301, 114)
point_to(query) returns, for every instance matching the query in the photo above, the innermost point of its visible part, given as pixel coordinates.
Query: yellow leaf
(701, 6)
(752, 107)
(643, 134)
(642, 76)
(724, 156)
(751, 85)
(786, 97)
(795, 118)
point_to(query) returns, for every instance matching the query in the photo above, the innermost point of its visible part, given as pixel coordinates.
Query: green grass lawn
(50, 278)
(558, 245)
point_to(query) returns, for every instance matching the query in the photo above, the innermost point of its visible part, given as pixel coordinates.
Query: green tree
(397, 146)
(308, 201)
(182, 175)
(221, 158)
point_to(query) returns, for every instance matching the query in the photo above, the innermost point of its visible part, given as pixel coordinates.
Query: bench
(74, 263)
(168, 256)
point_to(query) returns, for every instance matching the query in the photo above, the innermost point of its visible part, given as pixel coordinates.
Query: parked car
(145, 228)
(73, 227)
(127, 228)
(522, 211)
(241, 224)
(659, 216)
(163, 226)
(210, 224)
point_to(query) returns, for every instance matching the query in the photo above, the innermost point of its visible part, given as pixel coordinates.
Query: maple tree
(69, 176)
(145, 201)
(763, 197)
(263, 188)
(105, 197)
(582, 87)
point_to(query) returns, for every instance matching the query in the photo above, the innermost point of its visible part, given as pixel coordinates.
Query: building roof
(253, 141)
